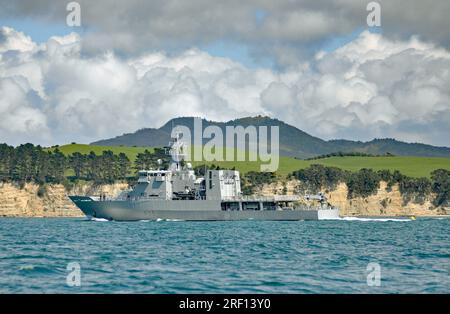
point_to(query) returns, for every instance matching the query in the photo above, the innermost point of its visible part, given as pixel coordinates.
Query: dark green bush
(441, 186)
(317, 176)
(252, 180)
(363, 183)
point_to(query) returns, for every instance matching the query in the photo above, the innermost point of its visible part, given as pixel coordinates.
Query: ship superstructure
(177, 193)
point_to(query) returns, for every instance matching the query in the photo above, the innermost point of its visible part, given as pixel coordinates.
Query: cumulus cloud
(20, 120)
(372, 87)
(281, 29)
(372, 84)
(10, 40)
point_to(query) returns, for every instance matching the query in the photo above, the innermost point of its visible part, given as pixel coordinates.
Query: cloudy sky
(311, 63)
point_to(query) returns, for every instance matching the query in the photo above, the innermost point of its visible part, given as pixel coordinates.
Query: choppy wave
(37, 269)
(27, 267)
(224, 257)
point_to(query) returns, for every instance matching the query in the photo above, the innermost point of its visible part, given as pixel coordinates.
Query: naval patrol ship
(178, 194)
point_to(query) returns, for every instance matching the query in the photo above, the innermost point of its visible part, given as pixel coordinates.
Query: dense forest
(30, 163)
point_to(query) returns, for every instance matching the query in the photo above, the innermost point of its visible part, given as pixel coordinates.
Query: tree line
(27, 163)
(105, 168)
(30, 163)
(366, 182)
(33, 163)
(349, 154)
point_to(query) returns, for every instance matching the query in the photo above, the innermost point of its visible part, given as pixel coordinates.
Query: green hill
(410, 166)
(293, 141)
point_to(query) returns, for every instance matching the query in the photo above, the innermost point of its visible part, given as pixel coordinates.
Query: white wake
(98, 219)
(373, 219)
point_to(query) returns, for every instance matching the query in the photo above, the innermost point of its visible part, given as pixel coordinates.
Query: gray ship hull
(189, 210)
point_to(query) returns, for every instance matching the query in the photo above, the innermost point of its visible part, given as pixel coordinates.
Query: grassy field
(131, 152)
(410, 166)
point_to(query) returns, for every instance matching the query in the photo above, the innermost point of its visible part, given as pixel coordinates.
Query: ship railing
(255, 198)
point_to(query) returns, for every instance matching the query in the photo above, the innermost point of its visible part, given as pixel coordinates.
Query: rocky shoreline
(31, 200)
(386, 202)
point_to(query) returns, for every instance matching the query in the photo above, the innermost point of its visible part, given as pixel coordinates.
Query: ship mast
(177, 151)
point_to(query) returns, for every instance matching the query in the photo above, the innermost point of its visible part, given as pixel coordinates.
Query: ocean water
(225, 257)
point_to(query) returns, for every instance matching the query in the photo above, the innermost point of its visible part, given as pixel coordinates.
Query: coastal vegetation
(416, 177)
(317, 176)
(29, 163)
(441, 186)
(105, 168)
(366, 182)
(253, 180)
